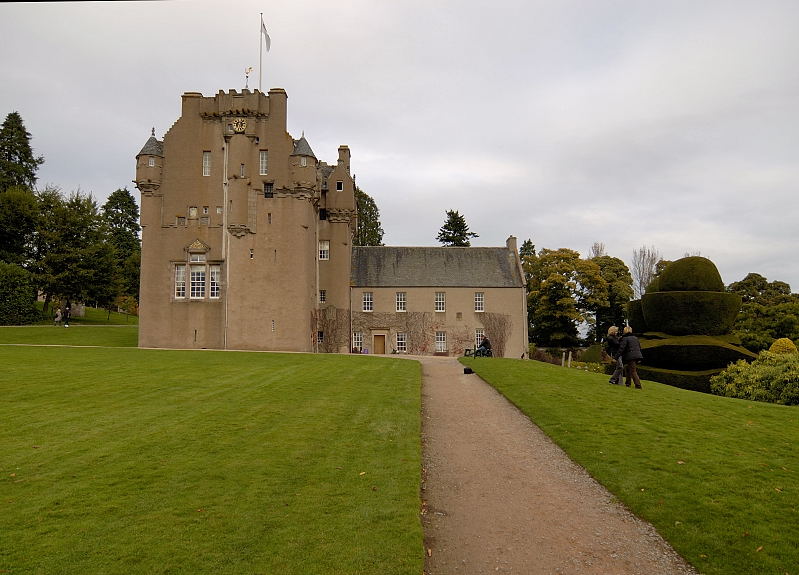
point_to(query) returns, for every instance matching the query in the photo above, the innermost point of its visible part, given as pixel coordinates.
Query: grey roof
(384, 266)
(152, 148)
(303, 148)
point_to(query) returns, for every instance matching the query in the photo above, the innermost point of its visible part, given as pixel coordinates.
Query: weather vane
(247, 72)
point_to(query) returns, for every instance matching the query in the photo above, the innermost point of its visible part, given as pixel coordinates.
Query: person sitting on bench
(484, 349)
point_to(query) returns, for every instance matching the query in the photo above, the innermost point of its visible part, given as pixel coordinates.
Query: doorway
(380, 344)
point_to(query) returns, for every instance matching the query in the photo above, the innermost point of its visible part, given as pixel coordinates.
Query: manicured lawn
(144, 461)
(75, 334)
(718, 477)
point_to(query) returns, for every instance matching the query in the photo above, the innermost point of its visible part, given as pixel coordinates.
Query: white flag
(267, 40)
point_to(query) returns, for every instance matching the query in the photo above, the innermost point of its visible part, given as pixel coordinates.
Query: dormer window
(303, 161)
(151, 162)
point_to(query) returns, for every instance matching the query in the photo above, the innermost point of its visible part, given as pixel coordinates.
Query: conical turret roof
(153, 147)
(303, 148)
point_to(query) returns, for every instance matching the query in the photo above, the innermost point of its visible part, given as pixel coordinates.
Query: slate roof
(386, 266)
(302, 148)
(152, 148)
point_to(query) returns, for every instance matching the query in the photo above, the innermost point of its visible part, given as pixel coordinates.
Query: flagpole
(260, 52)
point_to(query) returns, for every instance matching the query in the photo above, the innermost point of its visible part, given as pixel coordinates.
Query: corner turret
(150, 165)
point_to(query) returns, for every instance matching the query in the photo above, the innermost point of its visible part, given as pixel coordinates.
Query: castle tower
(231, 213)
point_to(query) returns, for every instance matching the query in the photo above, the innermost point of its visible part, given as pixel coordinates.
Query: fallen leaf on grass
(362, 473)
(681, 462)
(759, 549)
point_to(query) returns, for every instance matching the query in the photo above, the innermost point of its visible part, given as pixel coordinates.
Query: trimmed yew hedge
(692, 353)
(693, 273)
(691, 312)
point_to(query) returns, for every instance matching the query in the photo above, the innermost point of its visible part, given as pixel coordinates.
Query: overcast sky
(669, 124)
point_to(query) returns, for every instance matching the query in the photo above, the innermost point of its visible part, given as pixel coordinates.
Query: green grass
(75, 334)
(716, 476)
(92, 316)
(146, 461)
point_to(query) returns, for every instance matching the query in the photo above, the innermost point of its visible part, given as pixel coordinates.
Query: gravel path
(500, 497)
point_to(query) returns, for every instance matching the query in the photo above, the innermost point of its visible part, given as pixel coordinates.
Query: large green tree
(121, 217)
(455, 231)
(619, 282)
(769, 311)
(73, 260)
(369, 231)
(18, 165)
(563, 292)
(18, 215)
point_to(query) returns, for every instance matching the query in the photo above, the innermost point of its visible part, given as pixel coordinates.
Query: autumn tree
(18, 165)
(369, 231)
(563, 292)
(455, 231)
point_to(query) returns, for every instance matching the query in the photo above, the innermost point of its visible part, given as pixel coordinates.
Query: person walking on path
(630, 352)
(612, 342)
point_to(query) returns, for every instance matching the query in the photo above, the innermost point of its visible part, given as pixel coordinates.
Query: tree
(620, 291)
(455, 231)
(72, 258)
(18, 165)
(121, 216)
(769, 312)
(369, 231)
(17, 296)
(18, 215)
(563, 291)
(643, 268)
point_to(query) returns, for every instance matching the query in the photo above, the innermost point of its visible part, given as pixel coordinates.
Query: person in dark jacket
(612, 342)
(630, 352)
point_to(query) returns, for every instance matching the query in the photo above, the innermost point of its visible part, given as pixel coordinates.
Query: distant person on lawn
(630, 352)
(57, 319)
(612, 343)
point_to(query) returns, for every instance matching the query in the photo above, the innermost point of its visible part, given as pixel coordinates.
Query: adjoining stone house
(438, 300)
(247, 244)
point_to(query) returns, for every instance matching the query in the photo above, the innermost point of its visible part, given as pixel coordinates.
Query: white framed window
(303, 161)
(193, 212)
(339, 186)
(368, 302)
(357, 340)
(206, 163)
(402, 301)
(324, 249)
(322, 295)
(269, 190)
(402, 342)
(205, 210)
(479, 334)
(196, 257)
(441, 341)
(197, 282)
(215, 285)
(320, 337)
(263, 163)
(441, 301)
(218, 210)
(151, 162)
(242, 172)
(180, 281)
(479, 301)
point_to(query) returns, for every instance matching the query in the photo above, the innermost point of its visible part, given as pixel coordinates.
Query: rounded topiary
(693, 273)
(783, 345)
(635, 316)
(690, 312)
